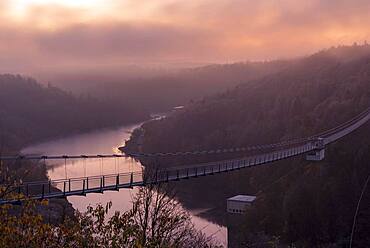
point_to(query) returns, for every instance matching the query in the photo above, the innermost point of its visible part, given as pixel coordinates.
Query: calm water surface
(104, 142)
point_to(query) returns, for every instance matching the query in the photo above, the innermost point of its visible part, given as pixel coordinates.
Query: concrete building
(238, 204)
(236, 208)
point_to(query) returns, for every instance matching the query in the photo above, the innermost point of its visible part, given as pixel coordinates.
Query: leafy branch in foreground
(156, 220)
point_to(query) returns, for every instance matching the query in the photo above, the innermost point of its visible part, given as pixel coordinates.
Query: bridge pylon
(318, 153)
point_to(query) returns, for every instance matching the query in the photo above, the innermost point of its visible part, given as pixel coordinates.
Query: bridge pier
(318, 153)
(237, 207)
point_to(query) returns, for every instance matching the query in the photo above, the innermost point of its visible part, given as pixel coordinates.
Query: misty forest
(156, 129)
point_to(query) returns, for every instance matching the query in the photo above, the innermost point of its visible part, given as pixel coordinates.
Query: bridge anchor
(318, 153)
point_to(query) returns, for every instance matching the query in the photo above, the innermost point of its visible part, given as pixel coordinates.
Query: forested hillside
(30, 112)
(311, 95)
(308, 204)
(165, 90)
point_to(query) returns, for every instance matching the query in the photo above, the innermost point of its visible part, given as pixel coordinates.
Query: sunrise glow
(118, 32)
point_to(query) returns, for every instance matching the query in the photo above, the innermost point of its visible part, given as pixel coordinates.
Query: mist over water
(103, 142)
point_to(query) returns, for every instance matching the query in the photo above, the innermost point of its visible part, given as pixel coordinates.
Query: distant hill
(160, 90)
(30, 112)
(165, 90)
(309, 95)
(298, 202)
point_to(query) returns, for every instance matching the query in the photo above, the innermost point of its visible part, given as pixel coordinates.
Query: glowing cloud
(35, 33)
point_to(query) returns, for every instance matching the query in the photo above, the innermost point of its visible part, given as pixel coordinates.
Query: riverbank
(104, 142)
(211, 213)
(56, 209)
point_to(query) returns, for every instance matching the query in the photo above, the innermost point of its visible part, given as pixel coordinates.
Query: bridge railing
(347, 127)
(83, 185)
(329, 135)
(96, 184)
(72, 186)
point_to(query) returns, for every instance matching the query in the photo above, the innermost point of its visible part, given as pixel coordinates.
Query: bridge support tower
(236, 208)
(318, 153)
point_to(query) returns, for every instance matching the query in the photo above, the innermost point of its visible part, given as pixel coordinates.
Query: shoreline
(58, 208)
(135, 145)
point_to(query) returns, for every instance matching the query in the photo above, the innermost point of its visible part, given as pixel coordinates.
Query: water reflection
(102, 142)
(74, 168)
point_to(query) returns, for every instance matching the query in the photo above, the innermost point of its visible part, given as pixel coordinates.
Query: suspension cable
(357, 209)
(65, 168)
(84, 165)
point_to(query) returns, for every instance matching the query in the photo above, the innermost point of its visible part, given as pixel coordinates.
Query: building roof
(242, 198)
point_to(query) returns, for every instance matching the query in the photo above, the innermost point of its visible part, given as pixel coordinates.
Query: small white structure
(177, 108)
(238, 204)
(236, 207)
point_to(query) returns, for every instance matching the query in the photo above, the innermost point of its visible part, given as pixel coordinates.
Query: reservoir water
(104, 142)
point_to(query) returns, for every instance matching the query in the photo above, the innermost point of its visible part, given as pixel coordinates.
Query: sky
(61, 35)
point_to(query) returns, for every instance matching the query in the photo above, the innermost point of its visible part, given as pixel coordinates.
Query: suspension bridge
(313, 147)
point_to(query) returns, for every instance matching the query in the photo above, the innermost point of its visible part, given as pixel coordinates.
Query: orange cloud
(51, 32)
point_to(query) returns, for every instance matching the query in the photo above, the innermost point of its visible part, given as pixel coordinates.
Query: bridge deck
(95, 184)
